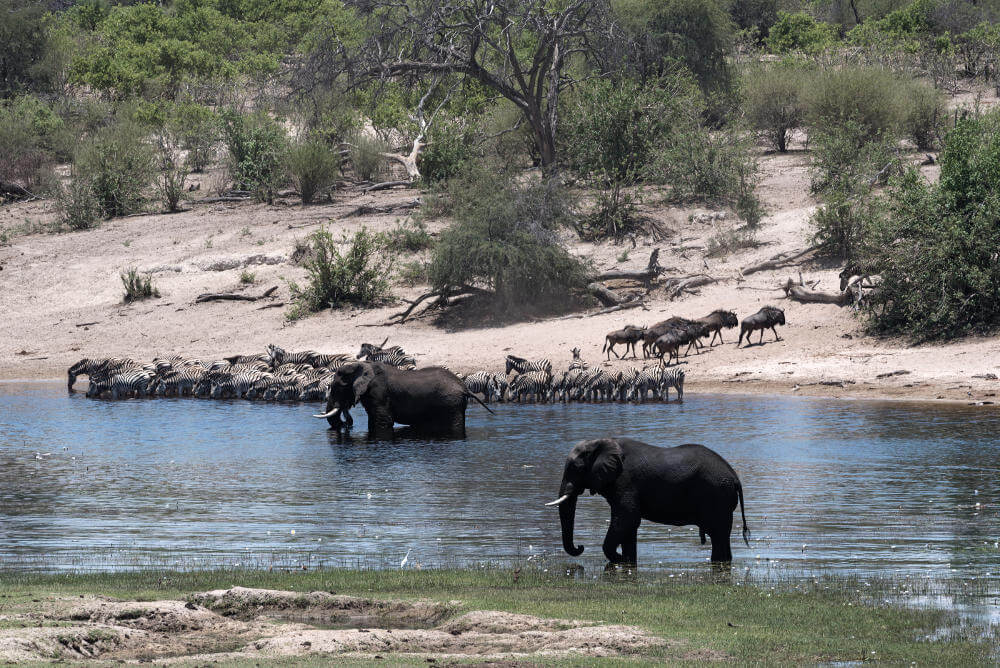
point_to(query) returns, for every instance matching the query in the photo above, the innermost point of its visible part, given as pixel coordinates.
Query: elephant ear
(363, 380)
(606, 466)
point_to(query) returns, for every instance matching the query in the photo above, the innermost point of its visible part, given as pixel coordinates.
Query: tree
(23, 44)
(519, 50)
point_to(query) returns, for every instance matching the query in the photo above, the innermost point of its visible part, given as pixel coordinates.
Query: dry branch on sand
(778, 261)
(231, 296)
(799, 293)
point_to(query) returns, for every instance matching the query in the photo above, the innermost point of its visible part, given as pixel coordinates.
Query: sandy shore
(61, 300)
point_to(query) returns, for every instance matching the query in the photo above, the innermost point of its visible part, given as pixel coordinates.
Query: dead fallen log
(799, 293)
(677, 286)
(652, 271)
(12, 190)
(444, 297)
(604, 295)
(230, 296)
(374, 209)
(778, 261)
(271, 305)
(386, 185)
(223, 198)
(637, 303)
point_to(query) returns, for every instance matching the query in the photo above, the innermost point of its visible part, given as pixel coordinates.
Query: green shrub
(799, 32)
(729, 239)
(257, 147)
(366, 156)
(197, 128)
(359, 276)
(925, 115)
(847, 159)
(410, 236)
(773, 102)
(935, 245)
(868, 98)
(610, 133)
(137, 286)
(314, 167)
(414, 273)
(118, 161)
(247, 278)
(505, 237)
(78, 204)
(450, 144)
(173, 172)
(32, 137)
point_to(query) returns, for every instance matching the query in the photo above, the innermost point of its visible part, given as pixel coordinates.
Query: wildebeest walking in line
(629, 336)
(766, 318)
(715, 321)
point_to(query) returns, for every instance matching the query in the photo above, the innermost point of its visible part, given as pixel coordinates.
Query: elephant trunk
(567, 517)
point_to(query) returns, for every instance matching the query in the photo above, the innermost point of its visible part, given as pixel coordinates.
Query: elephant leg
(719, 533)
(622, 531)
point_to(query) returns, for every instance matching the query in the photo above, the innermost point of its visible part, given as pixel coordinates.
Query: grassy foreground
(747, 623)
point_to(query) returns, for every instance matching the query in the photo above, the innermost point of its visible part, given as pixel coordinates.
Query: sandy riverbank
(60, 296)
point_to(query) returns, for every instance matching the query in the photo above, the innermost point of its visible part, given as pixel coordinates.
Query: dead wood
(778, 261)
(799, 293)
(444, 297)
(604, 295)
(636, 303)
(373, 209)
(677, 286)
(386, 185)
(230, 296)
(14, 191)
(86, 324)
(652, 271)
(271, 305)
(223, 198)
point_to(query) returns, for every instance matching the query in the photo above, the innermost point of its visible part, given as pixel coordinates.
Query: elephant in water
(431, 400)
(688, 484)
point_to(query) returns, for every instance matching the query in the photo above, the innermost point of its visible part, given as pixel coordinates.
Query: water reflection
(830, 486)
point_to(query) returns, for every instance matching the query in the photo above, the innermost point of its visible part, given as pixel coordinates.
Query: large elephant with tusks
(431, 400)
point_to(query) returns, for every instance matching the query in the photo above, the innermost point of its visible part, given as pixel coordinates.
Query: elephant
(687, 484)
(431, 400)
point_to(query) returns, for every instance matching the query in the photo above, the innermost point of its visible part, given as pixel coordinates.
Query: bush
(257, 146)
(78, 204)
(772, 100)
(173, 172)
(138, 286)
(366, 156)
(925, 115)
(505, 237)
(409, 237)
(413, 273)
(358, 276)
(197, 128)
(729, 239)
(849, 160)
(799, 32)
(247, 278)
(935, 245)
(869, 99)
(118, 162)
(450, 144)
(32, 137)
(314, 167)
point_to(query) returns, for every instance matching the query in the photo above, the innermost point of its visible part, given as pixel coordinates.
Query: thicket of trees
(624, 99)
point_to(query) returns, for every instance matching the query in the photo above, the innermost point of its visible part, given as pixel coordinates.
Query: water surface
(831, 486)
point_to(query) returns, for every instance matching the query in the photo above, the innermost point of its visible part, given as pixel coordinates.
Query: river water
(870, 488)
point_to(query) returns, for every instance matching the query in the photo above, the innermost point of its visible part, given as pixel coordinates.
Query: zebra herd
(533, 380)
(274, 375)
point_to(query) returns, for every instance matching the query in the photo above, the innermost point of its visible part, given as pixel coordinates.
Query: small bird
(402, 564)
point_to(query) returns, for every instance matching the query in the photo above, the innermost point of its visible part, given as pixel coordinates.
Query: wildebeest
(689, 331)
(629, 335)
(669, 344)
(715, 321)
(766, 318)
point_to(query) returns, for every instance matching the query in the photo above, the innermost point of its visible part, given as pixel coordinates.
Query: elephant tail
(481, 403)
(746, 530)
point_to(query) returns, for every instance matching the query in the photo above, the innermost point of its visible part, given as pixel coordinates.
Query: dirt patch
(242, 624)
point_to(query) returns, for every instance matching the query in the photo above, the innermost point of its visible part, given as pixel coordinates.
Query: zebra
(394, 356)
(277, 356)
(331, 362)
(100, 366)
(481, 382)
(646, 380)
(118, 384)
(535, 384)
(672, 378)
(522, 365)
(178, 382)
(502, 386)
(249, 359)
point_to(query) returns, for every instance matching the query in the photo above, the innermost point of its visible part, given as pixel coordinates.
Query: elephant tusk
(326, 415)
(558, 501)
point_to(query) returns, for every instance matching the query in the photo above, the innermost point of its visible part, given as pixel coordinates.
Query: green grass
(818, 621)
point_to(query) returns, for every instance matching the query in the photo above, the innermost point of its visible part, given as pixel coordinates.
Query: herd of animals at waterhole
(684, 485)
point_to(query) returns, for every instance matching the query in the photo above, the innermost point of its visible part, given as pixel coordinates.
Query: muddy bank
(241, 624)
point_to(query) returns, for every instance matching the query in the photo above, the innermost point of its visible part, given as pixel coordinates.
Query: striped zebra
(394, 356)
(121, 384)
(237, 384)
(278, 356)
(672, 378)
(331, 362)
(100, 366)
(534, 384)
(602, 385)
(522, 365)
(481, 382)
(248, 359)
(577, 362)
(178, 382)
(645, 381)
